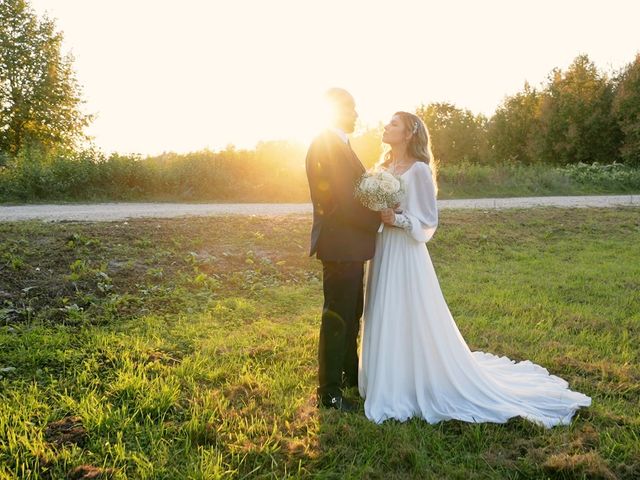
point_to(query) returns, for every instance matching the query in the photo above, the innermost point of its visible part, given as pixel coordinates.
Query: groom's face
(346, 115)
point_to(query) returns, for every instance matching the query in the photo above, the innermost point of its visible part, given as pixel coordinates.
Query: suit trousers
(342, 283)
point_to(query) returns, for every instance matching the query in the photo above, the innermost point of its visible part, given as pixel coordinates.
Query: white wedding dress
(414, 362)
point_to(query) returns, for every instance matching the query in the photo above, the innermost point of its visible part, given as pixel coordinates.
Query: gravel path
(121, 211)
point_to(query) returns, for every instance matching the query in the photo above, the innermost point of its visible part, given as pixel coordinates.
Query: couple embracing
(413, 361)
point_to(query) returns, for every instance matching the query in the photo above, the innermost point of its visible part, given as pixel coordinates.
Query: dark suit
(342, 237)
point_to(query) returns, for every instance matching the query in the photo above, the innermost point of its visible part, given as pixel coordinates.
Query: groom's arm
(318, 177)
(350, 210)
(334, 187)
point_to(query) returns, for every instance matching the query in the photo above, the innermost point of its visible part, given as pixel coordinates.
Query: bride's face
(395, 133)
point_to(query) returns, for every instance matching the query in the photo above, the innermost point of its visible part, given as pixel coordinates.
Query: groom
(343, 238)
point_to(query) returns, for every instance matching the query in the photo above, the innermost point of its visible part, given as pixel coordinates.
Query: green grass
(186, 348)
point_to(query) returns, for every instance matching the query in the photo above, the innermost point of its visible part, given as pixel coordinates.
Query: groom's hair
(337, 97)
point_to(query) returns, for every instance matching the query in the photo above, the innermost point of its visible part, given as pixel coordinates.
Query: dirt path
(121, 211)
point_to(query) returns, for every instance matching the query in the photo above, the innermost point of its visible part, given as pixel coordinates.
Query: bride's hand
(388, 216)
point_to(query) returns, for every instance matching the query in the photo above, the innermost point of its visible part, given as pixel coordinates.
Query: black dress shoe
(338, 402)
(346, 383)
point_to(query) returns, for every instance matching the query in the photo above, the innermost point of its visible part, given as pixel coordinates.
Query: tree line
(578, 115)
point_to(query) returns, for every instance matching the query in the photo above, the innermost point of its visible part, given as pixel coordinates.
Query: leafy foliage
(39, 94)
(580, 116)
(576, 121)
(626, 107)
(263, 175)
(456, 135)
(513, 127)
(596, 174)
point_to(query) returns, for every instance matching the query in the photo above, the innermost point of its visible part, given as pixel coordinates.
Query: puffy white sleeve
(421, 208)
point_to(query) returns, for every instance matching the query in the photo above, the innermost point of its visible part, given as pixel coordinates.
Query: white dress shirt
(340, 133)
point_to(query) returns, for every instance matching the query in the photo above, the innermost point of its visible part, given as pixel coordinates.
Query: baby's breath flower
(379, 189)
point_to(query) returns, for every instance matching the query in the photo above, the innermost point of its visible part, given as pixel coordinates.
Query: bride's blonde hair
(419, 146)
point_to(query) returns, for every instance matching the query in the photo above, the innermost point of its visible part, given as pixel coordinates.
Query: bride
(414, 361)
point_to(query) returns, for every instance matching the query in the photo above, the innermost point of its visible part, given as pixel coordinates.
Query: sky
(161, 75)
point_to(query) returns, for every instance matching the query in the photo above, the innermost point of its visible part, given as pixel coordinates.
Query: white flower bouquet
(379, 189)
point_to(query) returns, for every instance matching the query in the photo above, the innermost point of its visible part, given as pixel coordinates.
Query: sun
(304, 117)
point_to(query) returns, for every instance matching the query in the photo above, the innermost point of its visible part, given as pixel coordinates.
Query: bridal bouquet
(380, 189)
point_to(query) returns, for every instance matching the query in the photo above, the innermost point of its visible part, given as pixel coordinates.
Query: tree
(456, 134)
(368, 145)
(513, 127)
(576, 119)
(626, 107)
(39, 94)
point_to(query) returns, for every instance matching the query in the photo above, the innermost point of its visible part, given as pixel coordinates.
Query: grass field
(186, 348)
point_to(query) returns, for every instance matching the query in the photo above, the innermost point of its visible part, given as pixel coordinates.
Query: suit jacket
(343, 229)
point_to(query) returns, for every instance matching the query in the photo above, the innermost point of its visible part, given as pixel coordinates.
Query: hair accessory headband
(415, 128)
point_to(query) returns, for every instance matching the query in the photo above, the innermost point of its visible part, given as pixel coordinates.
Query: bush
(596, 174)
(270, 175)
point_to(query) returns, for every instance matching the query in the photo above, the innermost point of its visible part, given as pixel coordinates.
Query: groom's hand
(388, 216)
